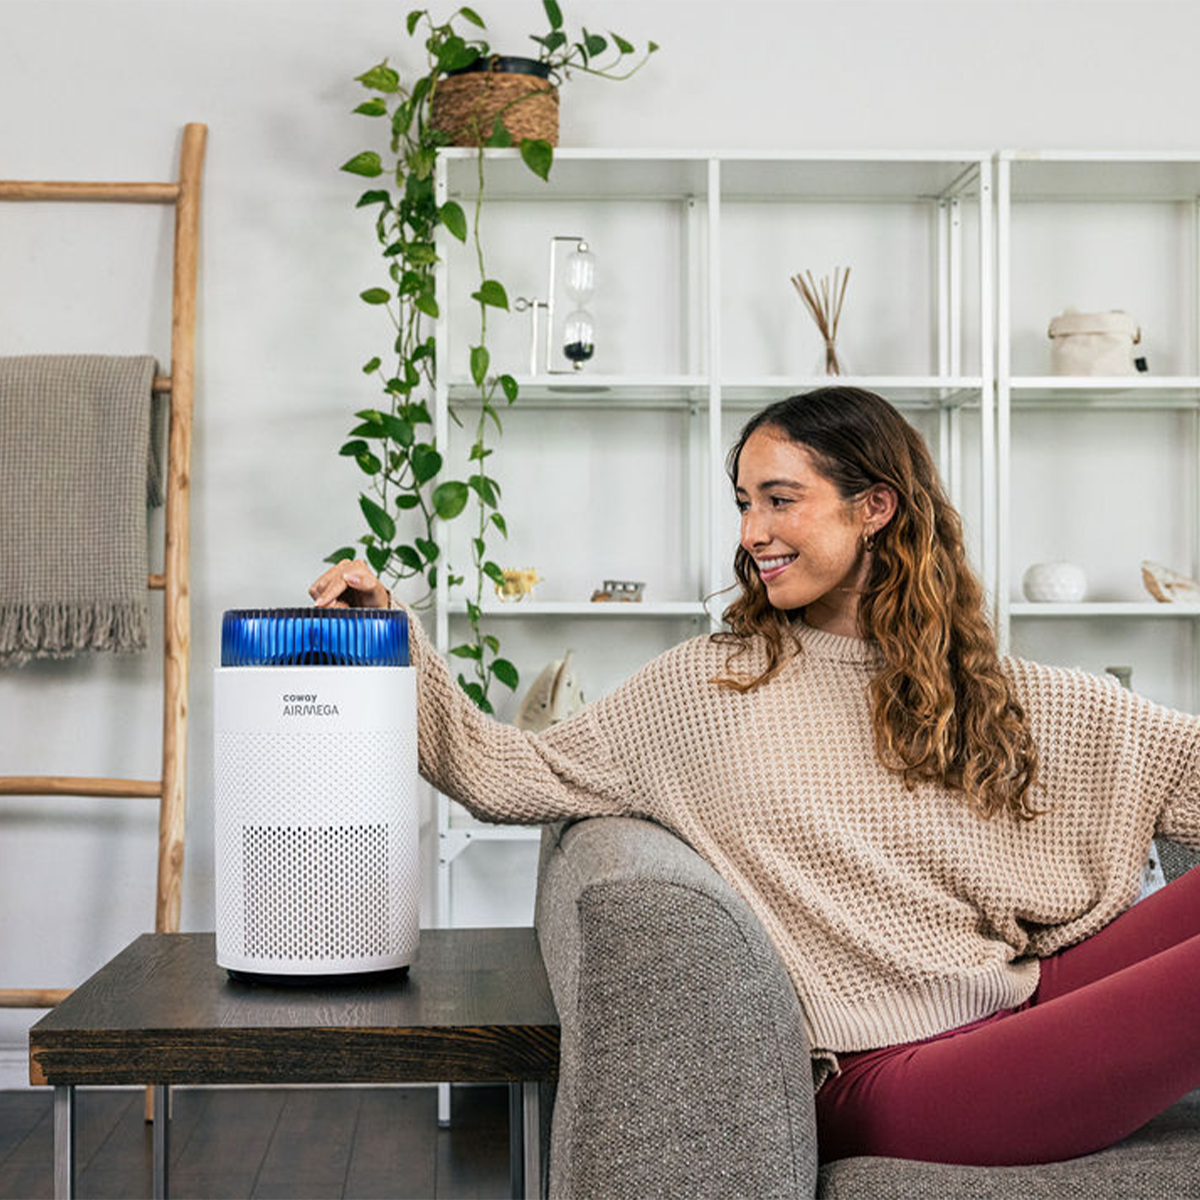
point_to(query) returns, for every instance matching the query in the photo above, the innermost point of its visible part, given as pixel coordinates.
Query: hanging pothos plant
(393, 444)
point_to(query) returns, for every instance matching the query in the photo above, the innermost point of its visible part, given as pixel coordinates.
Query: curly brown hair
(942, 709)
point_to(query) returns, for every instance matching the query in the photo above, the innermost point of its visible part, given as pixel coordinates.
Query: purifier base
(392, 975)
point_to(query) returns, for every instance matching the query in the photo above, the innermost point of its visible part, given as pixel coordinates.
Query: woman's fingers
(348, 584)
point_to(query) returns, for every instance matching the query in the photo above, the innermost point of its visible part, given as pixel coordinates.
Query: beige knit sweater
(898, 914)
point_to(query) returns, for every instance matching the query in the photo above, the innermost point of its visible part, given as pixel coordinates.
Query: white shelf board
(592, 174)
(579, 175)
(583, 390)
(1106, 391)
(1102, 177)
(1106, 608)
(607, 610)
(684, 391)
(905, 391)
(480, 832)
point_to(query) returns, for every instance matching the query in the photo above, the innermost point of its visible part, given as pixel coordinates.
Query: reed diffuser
(825, 302)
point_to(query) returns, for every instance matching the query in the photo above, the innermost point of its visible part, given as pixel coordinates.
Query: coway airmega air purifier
(317, 864)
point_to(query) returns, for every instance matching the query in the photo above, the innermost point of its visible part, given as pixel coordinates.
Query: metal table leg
(64, 1142)
(162, 1141)
(532, 1122)
(524, 1141)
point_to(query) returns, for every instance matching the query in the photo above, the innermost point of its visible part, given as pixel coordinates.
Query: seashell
(552, 697)
(1054, 583)
(1167, 586)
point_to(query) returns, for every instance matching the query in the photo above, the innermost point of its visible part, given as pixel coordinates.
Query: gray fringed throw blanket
(78, 464)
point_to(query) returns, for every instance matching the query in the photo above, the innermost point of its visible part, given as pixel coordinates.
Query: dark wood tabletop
(475, 1006)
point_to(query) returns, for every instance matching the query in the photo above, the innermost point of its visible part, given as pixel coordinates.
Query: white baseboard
(14, 1065)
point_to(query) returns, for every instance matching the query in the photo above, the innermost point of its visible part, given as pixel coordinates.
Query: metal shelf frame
(705, 185)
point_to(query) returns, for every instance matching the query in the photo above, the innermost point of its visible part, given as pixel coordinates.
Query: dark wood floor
(299, 1143)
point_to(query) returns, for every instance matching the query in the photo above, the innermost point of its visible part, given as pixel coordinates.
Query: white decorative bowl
(1054, 583)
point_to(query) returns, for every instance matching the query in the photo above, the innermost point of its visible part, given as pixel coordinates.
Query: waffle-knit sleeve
(504, 774)
(1111, 740)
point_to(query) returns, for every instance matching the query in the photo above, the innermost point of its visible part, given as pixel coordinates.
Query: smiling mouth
(772, 568)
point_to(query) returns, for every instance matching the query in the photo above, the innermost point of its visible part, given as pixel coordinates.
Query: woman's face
(805, 539)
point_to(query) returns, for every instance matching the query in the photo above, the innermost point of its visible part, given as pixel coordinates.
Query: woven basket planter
(518, 90)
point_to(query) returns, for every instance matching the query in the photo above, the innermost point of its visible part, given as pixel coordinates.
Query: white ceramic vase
(1054, 583)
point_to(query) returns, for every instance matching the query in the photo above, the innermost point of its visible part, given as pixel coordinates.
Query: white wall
(101, 90)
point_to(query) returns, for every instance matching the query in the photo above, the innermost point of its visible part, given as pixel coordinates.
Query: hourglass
(577, 337)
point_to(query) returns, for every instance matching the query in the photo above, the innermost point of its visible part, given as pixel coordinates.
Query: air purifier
(315, 722)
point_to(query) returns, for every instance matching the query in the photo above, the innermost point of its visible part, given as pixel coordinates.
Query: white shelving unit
(737, 224)
(1051, 206)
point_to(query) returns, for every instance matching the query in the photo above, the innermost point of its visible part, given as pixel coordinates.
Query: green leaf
(413, 18)
(449, 499)
(372, 366)
(479, 364)
(471, 15)
(376, 295)
(421, 163)
(369, 464)
(374, 197)
(491, 291)
(479, 452)
(410, 558)
(499, 138)
(480, 547)
(487, 489)
(378, 557)
(431, 575)
(379, 521)
(375, 107)
(371, 429)
(493, 572)
(380, 79)
(467, 651)
(407, 500)
(556, 39)
(427, 304)
(506, 673)
(621, 44)
(492, 643)
(398, 429)
(346, 552)
(553, 13)
(417, 413)
(353, 449)
(452, 217)
(367, 163)
(498, 521)
(426, 463)
(508, 385)
(594, 43)
(427, 548)
(650, 49)
(474, 612)
(538, 155)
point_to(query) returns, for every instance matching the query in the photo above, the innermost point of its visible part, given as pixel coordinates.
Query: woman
(940, 843)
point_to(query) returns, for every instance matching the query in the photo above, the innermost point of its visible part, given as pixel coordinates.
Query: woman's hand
(349, 585)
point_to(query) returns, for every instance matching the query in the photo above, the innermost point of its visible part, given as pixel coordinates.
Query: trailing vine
(393, 444)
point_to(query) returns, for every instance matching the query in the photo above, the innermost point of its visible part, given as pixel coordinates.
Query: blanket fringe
(62, 630)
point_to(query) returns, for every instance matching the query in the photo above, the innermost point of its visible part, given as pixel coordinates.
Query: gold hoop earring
(868, 540)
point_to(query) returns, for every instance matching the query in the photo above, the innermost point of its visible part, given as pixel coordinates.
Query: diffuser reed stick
(825, 303)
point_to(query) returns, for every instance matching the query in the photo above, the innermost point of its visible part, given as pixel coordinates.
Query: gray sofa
(685, 1067)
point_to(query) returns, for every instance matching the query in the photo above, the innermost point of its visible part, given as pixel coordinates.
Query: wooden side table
(475, 1007)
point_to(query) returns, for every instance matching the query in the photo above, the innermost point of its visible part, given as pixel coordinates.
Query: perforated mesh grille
(316, 893)
(317, 846)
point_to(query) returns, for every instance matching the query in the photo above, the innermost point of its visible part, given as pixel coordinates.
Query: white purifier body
(317, 851)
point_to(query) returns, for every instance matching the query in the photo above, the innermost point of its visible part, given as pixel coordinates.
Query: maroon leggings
(1110, 1038)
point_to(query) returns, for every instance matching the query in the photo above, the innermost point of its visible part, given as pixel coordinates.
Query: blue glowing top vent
(327, 637)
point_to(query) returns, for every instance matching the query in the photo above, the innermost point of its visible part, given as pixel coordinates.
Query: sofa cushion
(1160, 1160)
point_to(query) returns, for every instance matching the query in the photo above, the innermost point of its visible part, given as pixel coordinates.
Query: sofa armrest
(685, 1065)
